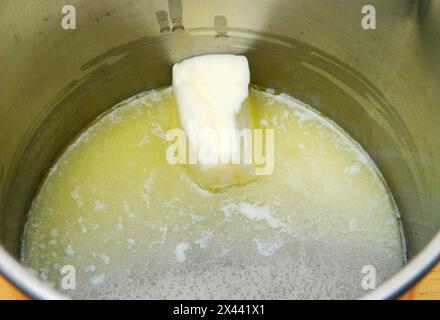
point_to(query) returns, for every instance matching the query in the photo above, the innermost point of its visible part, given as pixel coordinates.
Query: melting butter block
(211, 93)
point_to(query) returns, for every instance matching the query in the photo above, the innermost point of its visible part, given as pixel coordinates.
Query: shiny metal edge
(23, 279)
(415, 269)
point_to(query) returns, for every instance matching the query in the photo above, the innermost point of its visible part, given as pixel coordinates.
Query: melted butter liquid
(134, 226)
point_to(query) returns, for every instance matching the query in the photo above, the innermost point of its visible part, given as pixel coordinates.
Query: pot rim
(30, 285)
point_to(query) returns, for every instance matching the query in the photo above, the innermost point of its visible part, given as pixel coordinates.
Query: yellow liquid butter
(134, 226)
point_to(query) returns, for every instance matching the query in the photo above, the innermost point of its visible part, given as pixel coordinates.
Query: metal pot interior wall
(382, 86)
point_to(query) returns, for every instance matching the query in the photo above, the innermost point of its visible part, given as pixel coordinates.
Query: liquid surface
(134, 226)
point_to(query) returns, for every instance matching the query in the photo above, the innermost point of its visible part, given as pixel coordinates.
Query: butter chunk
(211, 93)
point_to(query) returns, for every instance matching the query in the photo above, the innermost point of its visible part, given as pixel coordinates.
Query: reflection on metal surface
(221, 26)
(176, 14)
(162, 20)
(381, 86)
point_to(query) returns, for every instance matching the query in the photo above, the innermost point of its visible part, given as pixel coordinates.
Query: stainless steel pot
(382, 86)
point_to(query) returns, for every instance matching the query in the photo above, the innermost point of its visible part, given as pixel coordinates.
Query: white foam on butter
(181, 250)
(306, 113)
(229, 245)
(97, 280)
(269, 248)
(205, 238)
(354, 169)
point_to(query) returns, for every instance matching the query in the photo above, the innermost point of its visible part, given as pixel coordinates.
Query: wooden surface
(427, 288)
(8, 292)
